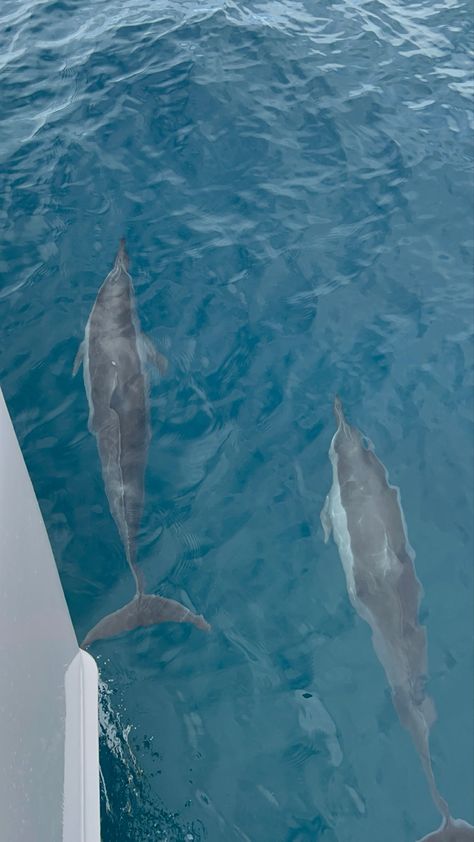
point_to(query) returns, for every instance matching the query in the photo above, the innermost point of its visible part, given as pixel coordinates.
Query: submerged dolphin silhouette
(114, 353)
(364, 512)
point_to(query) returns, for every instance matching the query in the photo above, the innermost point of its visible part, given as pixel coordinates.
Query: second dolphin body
(114, 354)
(364, 513)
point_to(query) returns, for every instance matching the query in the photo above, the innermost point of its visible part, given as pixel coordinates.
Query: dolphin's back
(372, 505)
(112, 347)
(117, 391)
(386, 591)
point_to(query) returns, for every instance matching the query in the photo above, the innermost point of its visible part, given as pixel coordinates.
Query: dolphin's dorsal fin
(78, 359)
(152, 355)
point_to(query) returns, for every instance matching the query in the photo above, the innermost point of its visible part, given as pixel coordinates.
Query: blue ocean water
(294, 181)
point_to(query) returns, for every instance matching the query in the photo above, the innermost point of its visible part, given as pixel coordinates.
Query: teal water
(294, 181)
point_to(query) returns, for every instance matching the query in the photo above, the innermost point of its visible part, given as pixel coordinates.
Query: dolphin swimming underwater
(364, 513)
(114, 353)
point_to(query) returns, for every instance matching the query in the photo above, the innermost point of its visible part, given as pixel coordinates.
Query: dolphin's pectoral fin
(144, 610)
(326, 519)
(153, 355)
(78, 359)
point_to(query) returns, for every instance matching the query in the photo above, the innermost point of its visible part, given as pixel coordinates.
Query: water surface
(294, 182)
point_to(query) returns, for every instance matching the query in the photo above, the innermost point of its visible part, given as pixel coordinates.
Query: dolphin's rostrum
(114, 354)
(364, 513)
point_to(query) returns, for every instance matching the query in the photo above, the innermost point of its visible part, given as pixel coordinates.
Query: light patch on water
(194, 727)
(314, 719)
(268, 795)
(356, 799)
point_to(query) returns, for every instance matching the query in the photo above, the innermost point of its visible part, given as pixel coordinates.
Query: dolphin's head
(121, 258)
(118, 282)
(338, 411)
(344, 430)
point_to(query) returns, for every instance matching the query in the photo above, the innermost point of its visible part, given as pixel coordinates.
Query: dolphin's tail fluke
(452, 830)
(417, 718)
(143, 610)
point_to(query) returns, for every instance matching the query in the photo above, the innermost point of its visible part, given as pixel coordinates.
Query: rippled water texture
(293, 180)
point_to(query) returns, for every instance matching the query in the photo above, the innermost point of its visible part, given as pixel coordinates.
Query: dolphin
(114, 354)
(365, 515)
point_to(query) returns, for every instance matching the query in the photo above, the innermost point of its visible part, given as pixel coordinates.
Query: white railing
(49, 762)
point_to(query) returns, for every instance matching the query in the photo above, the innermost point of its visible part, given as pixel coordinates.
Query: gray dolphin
(365, 515)
(114, 354)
